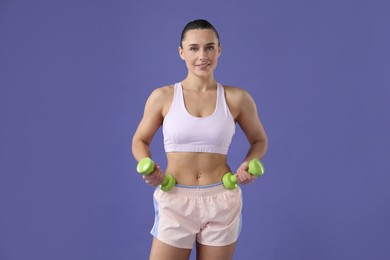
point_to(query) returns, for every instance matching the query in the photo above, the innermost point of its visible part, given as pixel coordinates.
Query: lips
(203, 65)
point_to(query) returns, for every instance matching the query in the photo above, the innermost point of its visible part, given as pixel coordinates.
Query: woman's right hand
(243, 176)
(154, 178)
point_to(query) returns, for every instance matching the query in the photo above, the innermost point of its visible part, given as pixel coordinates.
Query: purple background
(74, 77)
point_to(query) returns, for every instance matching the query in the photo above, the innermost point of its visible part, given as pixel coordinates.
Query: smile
(203, 65)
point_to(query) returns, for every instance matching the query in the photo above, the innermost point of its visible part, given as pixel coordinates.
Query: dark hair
(198, 24)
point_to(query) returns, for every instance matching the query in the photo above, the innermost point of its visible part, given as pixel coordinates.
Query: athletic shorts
(210, 215)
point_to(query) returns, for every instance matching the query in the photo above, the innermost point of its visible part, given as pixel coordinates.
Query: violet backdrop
(74, 77)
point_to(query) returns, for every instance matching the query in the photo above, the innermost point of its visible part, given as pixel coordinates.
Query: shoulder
(162, 92)
(161, 95)
(239, 100)
(161, 98)
(236, 95)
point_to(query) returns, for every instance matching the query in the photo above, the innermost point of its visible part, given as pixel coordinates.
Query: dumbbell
(146, 166)
(255, 168)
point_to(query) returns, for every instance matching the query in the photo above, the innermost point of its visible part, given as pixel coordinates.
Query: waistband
(199, 187)
(199, 191)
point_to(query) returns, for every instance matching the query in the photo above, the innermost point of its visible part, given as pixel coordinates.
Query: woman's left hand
(243, 176)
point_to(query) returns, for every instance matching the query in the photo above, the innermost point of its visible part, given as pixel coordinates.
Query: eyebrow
(207, 44)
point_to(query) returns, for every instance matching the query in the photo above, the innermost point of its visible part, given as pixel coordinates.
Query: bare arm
(249, 121)
(245, 113)
(150, 122)
(155, 108)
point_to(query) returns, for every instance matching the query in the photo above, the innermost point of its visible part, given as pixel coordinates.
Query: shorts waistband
(198, 191)
(199, 187)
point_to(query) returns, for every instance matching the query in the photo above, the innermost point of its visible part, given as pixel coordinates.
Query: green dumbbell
(255, 168)
(146, 166)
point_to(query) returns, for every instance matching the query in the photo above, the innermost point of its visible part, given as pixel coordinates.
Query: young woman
(198, 116)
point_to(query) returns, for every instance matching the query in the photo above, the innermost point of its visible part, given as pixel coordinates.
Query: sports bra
(184, 132)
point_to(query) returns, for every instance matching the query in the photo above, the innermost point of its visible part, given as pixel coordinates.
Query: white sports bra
(184, 132)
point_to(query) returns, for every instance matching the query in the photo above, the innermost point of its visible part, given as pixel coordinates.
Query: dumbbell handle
(146, 166)
(255, 168)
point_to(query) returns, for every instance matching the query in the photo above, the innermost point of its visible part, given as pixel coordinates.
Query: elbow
(139, 148)
(263, 143)
(260, 146)
(134, 148)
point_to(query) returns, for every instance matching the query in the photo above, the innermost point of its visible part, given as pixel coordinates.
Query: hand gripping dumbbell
(146, 166)
(255, 168)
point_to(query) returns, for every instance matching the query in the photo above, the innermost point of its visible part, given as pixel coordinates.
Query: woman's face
(200, 51)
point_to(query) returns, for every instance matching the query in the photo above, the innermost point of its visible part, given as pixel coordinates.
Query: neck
(199, 84)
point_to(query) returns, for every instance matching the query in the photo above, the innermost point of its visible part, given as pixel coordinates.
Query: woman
(198, 116)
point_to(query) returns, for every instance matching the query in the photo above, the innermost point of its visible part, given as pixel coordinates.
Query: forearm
(140, 150)
(257, 150)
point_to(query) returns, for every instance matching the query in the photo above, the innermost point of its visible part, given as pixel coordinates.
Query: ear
(181, 53)
(219, 50)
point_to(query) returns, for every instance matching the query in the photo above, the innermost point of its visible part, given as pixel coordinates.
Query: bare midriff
(197, 169)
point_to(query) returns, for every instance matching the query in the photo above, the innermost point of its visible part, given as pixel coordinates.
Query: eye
(210, 47)
(193, 48)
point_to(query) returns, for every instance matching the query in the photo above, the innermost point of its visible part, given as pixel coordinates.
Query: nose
(203, 55)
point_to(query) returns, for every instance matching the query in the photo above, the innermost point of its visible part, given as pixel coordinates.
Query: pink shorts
(210, 215)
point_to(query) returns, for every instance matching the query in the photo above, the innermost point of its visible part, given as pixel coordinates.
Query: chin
(203, 74)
